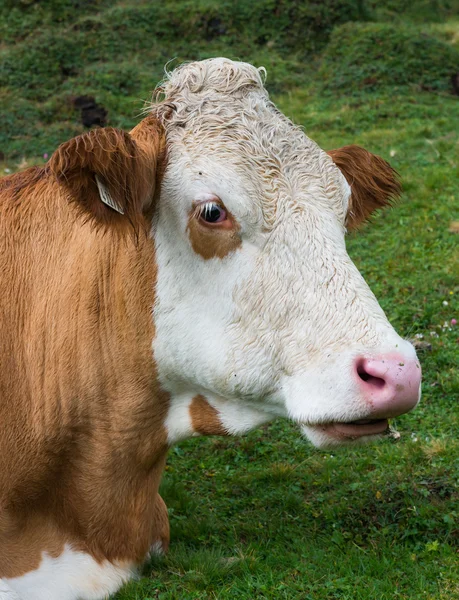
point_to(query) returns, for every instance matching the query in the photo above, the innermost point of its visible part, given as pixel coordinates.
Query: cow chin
(330, 435)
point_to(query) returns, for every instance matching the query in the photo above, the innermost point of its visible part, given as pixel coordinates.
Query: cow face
(259, 309)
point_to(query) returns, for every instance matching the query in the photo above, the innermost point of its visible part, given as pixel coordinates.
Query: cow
(187, 278)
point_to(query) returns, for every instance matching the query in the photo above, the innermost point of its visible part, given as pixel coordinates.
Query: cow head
(259, 310)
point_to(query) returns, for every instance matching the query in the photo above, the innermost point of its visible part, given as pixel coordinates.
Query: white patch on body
(235, 417)
(71, 576)
(178, 420)
(6, 593)
(239, 417)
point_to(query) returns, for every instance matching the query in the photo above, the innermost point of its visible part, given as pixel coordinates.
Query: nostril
(372, 380)
(389, 383)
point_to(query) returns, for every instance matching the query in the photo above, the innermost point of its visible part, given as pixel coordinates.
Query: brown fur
(213, 241)
(204, 417)
(13, 184)
(161, 524)
(374, 183)
(82, 440)
(125, 163)
(22, 539)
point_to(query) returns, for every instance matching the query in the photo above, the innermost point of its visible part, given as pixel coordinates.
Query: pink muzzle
(389, 383)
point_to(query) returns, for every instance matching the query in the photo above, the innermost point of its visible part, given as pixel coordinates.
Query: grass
(376, 55)
(54, 50)
(266, 515)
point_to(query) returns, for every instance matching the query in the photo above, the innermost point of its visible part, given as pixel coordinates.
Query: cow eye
(211, 212)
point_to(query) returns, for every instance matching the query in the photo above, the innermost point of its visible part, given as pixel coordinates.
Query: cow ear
(110, 173)
(374, 183)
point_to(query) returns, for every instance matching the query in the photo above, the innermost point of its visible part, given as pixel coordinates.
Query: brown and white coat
(217, 295)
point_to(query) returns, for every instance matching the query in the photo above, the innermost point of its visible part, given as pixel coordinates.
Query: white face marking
(71, 576)
(276, 324)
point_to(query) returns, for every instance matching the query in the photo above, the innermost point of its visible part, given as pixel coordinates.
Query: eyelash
(205, 213)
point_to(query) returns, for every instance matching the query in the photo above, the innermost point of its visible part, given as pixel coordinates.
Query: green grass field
(266, 515)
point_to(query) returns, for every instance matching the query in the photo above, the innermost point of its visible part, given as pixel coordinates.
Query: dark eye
(210, 212)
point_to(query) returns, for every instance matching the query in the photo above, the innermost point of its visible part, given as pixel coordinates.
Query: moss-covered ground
(266, 515)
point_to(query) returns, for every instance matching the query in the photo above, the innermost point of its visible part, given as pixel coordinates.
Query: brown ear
(374, 183)
(111, 164)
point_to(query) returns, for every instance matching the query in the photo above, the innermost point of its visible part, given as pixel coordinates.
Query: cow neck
(89, 410)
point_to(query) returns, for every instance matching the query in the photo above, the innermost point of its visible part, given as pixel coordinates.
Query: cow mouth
(356, 429)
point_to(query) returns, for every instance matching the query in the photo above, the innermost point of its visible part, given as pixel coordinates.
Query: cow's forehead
(216, 75)
(225, 99)
(220, 109)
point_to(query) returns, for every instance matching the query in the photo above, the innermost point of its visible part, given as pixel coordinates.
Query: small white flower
(393, 153)
(445, 302)
(433, 334)
(7, 170)
(420, 335)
